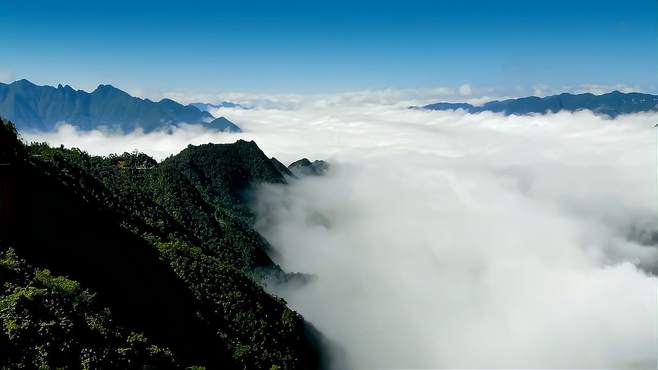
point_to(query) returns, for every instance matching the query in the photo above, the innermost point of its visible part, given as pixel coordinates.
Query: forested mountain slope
(154, 261)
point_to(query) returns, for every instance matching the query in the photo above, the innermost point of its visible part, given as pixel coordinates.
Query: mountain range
(611, 104)
(41, 108)
(124, 262)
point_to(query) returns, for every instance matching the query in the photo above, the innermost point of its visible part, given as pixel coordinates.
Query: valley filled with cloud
(453, 240)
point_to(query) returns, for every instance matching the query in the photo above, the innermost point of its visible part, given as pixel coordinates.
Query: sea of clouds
(400, 97)
(453, 240)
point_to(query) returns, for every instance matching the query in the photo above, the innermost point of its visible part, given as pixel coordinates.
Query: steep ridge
(167, 247)
(281, 167)
(61, 224)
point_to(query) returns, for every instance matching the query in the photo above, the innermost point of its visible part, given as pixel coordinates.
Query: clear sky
(320, 46)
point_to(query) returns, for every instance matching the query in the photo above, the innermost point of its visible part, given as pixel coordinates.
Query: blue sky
(324, 46)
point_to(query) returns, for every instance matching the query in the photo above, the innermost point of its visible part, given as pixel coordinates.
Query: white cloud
(465, 90)
(445, 239)
(396, 97)
(388, 96)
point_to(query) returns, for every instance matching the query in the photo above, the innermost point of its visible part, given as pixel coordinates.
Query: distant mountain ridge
(222, 124)
(34, 107)
(611, 104)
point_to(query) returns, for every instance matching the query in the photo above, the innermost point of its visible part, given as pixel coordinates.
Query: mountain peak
(64, 87)
(23, 82)
(223, 124)
(305, 167)
(102, 88)
(105, 106)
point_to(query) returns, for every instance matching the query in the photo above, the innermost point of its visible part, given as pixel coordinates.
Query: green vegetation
(262, 331)
(162, 266)
(49, 321)
(197, 196)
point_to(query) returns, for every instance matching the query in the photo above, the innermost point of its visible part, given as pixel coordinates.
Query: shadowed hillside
(166, 248)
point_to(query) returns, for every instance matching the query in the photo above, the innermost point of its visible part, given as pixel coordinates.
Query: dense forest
(124, 262)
